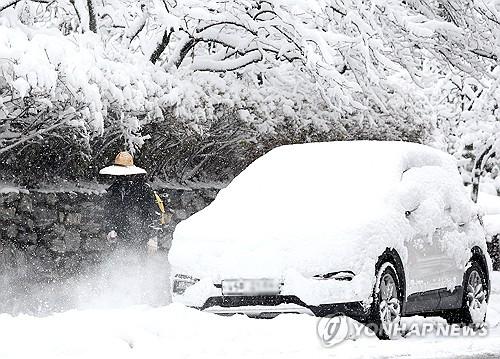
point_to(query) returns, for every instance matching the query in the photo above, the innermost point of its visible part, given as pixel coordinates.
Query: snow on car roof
(354, 173)
(340, 160)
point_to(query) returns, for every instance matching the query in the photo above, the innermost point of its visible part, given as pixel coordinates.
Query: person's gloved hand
(112, 236)
(152, 245)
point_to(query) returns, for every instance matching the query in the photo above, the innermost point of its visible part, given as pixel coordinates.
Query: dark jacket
(131, 211)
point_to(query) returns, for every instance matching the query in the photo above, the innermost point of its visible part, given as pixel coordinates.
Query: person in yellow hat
(134, 212)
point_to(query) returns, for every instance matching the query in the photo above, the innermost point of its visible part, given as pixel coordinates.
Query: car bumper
(312, 292)
(297, 295)
(273, 305)
(260, 311)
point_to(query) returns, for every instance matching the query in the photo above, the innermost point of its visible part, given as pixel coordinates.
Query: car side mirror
(410, 211)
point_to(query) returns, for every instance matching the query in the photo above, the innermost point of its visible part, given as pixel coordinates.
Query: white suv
(375, 230)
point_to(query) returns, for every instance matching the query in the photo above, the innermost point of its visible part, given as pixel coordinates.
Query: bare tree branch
(92, 16)
(188, 46)
(9, 4)
(235, 24)
(76, 10)
(36, 134)
(165, 40)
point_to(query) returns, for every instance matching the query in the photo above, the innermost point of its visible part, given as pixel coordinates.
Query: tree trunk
(478, 168)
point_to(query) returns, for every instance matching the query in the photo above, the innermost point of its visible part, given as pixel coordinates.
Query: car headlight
(342, 275)
(182, 282)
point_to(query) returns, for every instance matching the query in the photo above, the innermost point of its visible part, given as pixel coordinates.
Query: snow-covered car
(375, 230)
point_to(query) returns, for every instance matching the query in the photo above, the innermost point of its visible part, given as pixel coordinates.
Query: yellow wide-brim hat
(123, 166)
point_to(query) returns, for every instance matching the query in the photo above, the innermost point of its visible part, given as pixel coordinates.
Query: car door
(431, 270)
(428, 271)
(427, 262)
(451, 293)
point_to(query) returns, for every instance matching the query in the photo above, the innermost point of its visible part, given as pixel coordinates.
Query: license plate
(265, 286)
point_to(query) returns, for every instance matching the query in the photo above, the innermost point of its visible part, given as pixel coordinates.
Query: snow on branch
(206, 64)
(282, 64)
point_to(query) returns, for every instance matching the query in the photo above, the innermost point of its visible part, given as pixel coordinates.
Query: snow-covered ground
(174, 331)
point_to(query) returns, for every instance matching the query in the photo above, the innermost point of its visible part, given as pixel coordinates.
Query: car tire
(474, 300)
(386, 306)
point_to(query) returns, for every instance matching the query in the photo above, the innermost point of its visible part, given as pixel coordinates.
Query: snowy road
(176, 332)
(475, 356)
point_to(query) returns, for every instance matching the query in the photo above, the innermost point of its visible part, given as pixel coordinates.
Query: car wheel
(386, 305)
(474, 300)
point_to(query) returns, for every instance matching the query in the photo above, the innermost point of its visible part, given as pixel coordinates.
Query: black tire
(385, 325)
(463, 315)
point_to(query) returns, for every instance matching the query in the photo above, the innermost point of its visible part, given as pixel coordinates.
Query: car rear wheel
(386, 306)
(474, 300)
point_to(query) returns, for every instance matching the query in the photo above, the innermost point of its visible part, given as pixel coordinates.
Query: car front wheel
(386, 306)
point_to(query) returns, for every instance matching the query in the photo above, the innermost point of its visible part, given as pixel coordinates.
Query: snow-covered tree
(112, 74)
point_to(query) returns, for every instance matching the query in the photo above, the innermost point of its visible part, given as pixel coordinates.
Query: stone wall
(45, 236)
